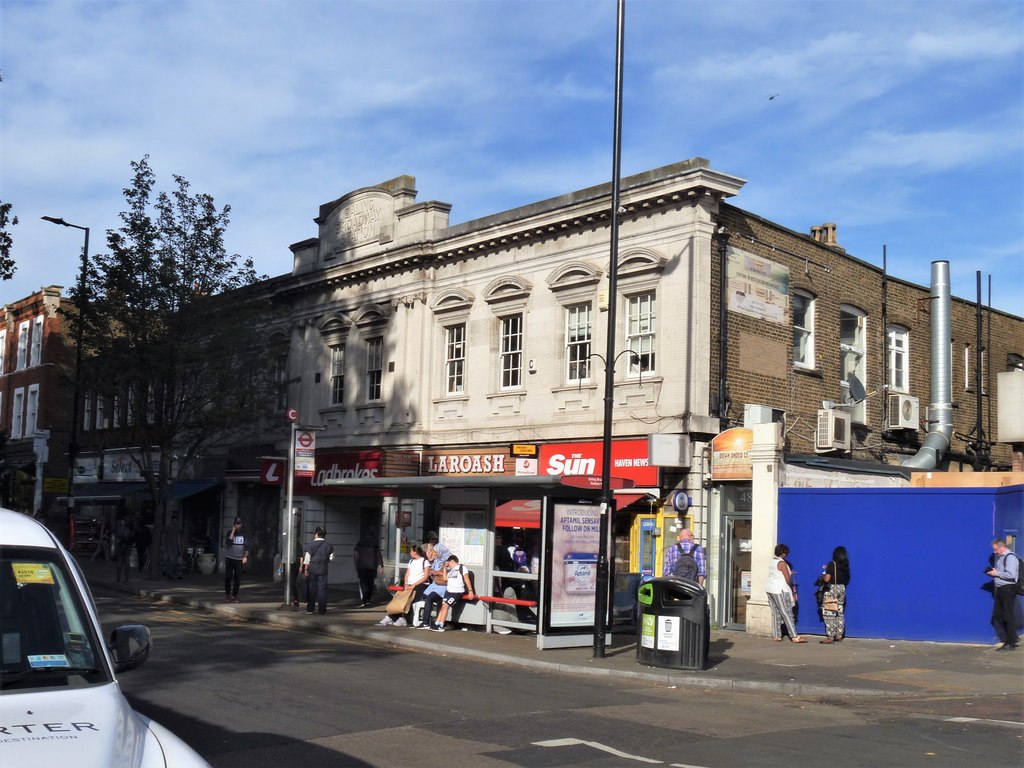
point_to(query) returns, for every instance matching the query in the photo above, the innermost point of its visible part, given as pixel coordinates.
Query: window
(101, 415)
(577, 341)
(803, 329)
(86, 411)
(852, 357)
(150, 404)
(511, 356)
(22, 345)
(115, 410)
(18, 413)
(374, 367)
(1014, 362)
(129, 405)
(640, 332)
(281, 381)
(32, 411)
(455, 359)
(3, 352)
(899, 355)
(338, 374)
(37, 341)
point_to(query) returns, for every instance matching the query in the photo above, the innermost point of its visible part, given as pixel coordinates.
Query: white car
(60, 703)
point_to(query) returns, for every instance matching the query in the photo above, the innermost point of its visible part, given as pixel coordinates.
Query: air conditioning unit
(833, 432)
(904, 412)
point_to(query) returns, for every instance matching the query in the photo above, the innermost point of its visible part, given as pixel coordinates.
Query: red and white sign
(340, 465)
(272, 471)
(629, 460)
(305, 453)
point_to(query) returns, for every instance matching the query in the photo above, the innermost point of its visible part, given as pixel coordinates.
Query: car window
(46, 637)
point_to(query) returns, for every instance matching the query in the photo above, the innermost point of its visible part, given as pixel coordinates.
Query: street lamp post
(607, 507)
(73, 438)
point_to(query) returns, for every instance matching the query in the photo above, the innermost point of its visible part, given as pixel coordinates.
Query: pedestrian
(686, 559)
(369, 561)
(1004, 572)
(781, 597)
(235, 557)
(124, 540)
(835, 576)
(458, 588)
(172, 549)
(319, 554)
(298, 585)
(416, 576)
(143, 538)
(433, 595)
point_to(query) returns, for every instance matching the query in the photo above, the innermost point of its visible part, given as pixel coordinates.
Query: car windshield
(46, 637)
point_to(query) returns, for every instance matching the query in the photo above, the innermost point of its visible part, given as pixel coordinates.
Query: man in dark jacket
(369, 560)
(318, 556)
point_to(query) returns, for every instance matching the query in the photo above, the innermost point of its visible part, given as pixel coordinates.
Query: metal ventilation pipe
(940, 413)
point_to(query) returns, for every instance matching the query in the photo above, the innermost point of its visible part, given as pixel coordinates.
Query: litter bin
(675, 624)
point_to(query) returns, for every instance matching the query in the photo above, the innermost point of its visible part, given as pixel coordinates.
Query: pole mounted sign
(305, 453)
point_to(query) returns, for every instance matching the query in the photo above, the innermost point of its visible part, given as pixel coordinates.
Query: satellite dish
(857, 391)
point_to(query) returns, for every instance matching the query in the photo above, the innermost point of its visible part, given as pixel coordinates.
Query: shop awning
(520, 513)
(112, 491)
(565, 482)
(185, 488)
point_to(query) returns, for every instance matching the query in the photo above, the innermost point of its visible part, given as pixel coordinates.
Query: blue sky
(902, 122)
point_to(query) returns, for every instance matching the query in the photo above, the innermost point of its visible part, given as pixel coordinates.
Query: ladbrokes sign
(338, 466)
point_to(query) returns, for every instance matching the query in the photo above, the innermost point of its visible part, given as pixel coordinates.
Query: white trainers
(385, 622)
(401, 622)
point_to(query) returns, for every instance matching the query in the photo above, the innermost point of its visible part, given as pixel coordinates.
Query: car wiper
(10, 678)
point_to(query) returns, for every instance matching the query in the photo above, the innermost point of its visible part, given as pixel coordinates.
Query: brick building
(36, 364)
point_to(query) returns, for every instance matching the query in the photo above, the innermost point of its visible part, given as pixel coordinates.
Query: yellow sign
(55, 485)
(32, 573)
(524, 449)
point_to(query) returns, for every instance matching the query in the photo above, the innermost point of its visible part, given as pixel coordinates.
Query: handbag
(399, 604)
(440, 577)
(830, 602)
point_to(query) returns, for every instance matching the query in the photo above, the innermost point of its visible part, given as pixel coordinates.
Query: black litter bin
(675, 624)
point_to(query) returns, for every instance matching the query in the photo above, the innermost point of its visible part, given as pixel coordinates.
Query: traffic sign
(293, 415)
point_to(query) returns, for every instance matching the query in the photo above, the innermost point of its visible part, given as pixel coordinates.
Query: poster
(668, 633)
(647, 625)
(575, 542)
(463, 532)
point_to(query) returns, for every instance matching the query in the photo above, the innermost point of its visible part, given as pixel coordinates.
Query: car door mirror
(130, 645)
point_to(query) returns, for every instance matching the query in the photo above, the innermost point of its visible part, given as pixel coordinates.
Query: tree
(6, 241)
(169, 327)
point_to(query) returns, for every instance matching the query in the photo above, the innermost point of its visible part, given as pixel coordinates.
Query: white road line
(1011, 723)
(595, 745)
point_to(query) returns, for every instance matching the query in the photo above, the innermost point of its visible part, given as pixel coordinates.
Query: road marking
(1009, 723)
(595, 745)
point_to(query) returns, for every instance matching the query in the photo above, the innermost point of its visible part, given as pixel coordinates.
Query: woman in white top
(415, 582)
(781, 597)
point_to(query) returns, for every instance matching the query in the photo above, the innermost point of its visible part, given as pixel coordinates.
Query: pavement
(736, 661)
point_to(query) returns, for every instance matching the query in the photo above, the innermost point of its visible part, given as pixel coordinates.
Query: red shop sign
(629, 460)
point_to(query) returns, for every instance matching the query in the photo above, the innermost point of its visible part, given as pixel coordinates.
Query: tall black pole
(79, 336)
(607, 508)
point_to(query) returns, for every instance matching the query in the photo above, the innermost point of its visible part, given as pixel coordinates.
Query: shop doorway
(735, 555)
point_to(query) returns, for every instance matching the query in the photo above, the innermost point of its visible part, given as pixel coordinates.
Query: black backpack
(1020, 573)
(686, 565)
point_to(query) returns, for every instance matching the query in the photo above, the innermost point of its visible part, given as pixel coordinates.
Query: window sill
(376, 404)
(454, 398)
(813, 372)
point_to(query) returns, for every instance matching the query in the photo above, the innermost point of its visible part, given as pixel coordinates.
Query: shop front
(732, 526)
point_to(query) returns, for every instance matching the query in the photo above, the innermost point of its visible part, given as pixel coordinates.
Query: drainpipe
(940, 413)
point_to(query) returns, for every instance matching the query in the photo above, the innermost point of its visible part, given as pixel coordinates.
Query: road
(252, 695)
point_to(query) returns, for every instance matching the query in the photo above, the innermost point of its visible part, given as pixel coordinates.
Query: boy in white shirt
(460, 587)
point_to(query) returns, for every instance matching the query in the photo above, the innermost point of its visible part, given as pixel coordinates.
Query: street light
(607, 508)
(73, 439)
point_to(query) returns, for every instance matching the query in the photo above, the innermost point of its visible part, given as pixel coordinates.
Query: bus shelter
(531, 544)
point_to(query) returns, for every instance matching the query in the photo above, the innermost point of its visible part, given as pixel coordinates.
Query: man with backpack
(1005, 572)
(686, 559)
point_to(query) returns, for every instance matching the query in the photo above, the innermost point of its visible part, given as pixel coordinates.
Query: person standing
(686, 548)
(1004, 572)
(318, 557)
(123, 543)
(369, 561)
(235, 556)
(835, 575)
(780, 596)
